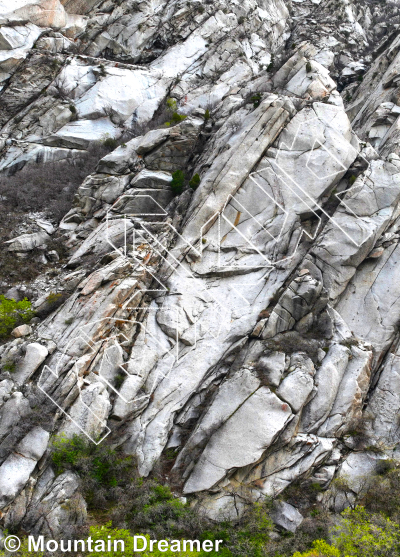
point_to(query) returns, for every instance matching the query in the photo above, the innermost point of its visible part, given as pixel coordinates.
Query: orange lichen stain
(237, 219)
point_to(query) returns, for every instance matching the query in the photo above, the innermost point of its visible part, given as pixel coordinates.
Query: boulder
(19, 36)
(17, 468)
(327, 380)
(28, 242)
(89, 413)
(78, 6)
(14, 411)
(44, 13)
(151, 179)
(35, 355)
(21, 331)
(272, 366)
(79, 134)
(58, 505)
(286, 516)
(5, 390)
(278, 470)
(298, 384)
(241, 440)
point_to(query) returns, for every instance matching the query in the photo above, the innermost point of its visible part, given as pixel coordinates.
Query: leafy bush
(320, 549)
(97, 465)
(359, 534)
(364, 535)
(172, 104)
(256, 99)
(308, 67)
(53, 298)
(178, 181)
(383, 491)
(13, 313)
(110, 143)
(194, 182)
(176, 118)
(106, 533)
(9, 366)
(110, 483)
(207, 115)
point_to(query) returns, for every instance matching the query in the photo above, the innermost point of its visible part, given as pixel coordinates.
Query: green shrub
(383, 491)
(194, 182)
(178, 181)
(13, 313)
(352, 179)
(308, 67)
(364, 535)
(119, 379)
(320, 549)
(248, 537)
(176, 118)
(256, 99)
(207, 115)
(67, 452)
(106, 533)
(96, 464)
(359, 534)
(172, 105)
(9, 366)
(53, 297)
(110, 143)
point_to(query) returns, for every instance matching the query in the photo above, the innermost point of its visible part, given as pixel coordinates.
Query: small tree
(194, 182)
(178, 181)
(364, 535)
(13, 313)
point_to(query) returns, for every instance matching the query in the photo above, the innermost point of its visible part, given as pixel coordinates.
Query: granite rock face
(231, 285)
